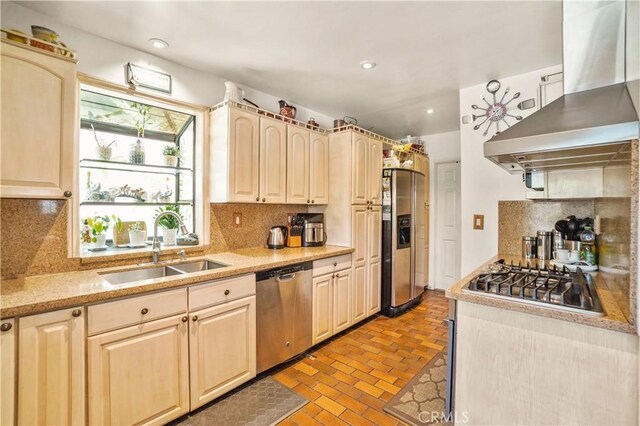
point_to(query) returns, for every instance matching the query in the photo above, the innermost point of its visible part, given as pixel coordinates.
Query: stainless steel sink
(201, 265)
(141, 274)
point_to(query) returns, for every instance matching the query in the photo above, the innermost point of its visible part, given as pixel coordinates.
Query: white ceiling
(309, 52)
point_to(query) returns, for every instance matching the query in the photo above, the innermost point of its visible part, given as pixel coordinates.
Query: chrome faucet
(155, 246)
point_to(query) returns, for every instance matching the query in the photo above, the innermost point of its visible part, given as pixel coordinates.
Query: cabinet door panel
(374, 234)
(8, 374)
(38, 116)
(359, 293)
(374, 164)
(319, 169)
(322, 308)
(359, 176)
(140, 374)
(359, 234)
(341, 301)
(244, 150)
(273, 161)
(297, 166)
(373, 296)
(222, 349)
(51, 369)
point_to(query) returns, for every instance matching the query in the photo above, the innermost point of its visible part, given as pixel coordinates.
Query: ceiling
(309, 52)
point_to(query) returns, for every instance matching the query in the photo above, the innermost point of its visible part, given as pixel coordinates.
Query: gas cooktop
(533, 284)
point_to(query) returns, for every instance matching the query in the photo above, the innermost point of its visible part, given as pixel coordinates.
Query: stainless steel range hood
(593, 123)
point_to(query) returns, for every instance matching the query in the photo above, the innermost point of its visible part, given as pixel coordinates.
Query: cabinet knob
(67, 194)
(335, 264)
(194, 318)
(257, 198)
(226, 292)
(76, 312)
(144, 311)
(313, 201)
(185, 319)
(5, 327)
(308, 201)
(333, 276)
(337, 275)
(264, 199)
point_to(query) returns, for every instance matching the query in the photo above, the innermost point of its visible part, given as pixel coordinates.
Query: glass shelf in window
(89, 163)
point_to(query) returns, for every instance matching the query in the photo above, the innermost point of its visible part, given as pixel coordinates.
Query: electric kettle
(277, 237)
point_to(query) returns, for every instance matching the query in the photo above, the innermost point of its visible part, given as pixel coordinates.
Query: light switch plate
(237, 220)
(478, 221)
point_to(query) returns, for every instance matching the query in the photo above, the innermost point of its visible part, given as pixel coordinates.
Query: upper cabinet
(258, 159)
(366, 173)
(39, 116)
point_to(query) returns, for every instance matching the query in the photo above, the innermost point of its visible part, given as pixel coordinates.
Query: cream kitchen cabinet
(307, 167)
(222, 348)
(39, 115)
(140, 374)
(234, 157)
(374, 256)
(51, 368)
(8, 372)
(366, 181)
(332, 294)
(367, 234)
(272, 187)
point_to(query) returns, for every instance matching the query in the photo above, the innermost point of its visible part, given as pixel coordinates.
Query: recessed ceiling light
(430, 111)
(158, 43)
(367, 65)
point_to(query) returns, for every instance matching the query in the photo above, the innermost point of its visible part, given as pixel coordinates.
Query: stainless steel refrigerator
(403, 222)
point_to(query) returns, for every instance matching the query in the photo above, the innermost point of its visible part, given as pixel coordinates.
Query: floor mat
(422, 400)
(263, 402)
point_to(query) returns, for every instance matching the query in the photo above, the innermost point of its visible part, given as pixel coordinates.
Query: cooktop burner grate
(560, 288)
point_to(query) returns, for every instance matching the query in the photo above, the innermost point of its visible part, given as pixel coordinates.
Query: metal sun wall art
(498, 110)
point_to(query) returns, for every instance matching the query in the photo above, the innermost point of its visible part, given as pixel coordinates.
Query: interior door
(273, 161)
(244, 150)
(319, 169)
(447, 238)
(297, 165)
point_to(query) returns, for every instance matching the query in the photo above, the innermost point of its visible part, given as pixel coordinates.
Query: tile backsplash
(33, 234)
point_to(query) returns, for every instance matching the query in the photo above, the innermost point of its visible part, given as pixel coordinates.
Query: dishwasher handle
(285, 278)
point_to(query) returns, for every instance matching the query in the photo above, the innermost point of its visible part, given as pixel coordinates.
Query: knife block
(293, 240)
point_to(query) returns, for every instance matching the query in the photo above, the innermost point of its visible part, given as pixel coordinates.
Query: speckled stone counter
(41, 293)
(614, 318)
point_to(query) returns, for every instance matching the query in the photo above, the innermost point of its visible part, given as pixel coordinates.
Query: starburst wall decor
(497, 111)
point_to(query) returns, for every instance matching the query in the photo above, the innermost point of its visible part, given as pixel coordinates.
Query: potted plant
(171, 154)
(169, 224)
(136, 152)
(137, 234)
(104, 149)
(98, 225)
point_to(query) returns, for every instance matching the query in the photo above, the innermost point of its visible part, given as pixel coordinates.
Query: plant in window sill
(104, 149)
(136, 151)
(171, 154)
(169, 224)
(137, 234)
(98, 225)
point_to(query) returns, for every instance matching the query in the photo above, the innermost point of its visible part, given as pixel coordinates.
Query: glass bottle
(588, 246)
(136, 152)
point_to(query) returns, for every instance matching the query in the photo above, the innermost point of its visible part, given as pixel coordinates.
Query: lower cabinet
(8, 372)
(373, 290)
(51, 368)
(140, 374)
(331, 304)
(222, 349)
(359, 294)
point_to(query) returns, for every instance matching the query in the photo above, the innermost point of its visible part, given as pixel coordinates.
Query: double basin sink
(126, 277)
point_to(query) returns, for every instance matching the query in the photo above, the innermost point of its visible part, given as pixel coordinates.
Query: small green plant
(168, 221)
(171, 150)
(100, 224)
(143, 117)
(136, 227)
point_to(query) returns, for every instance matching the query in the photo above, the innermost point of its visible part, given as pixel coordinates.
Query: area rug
(422, 400)
(263, 402)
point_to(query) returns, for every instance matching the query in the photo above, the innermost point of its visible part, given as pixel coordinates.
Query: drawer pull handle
(226, 292)
(185, 319)
(194, 318)
(76, 312)
(144, 311)
(5, 327)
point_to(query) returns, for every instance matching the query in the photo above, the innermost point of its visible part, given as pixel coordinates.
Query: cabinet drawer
(331, 264)
(216, 292)
(136, 310)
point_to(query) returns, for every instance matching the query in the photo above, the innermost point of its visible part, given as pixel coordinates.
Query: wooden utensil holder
(293, 241)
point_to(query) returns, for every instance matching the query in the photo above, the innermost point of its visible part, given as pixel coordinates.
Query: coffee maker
(313, 234)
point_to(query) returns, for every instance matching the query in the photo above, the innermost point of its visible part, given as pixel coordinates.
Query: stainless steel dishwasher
(284, 309)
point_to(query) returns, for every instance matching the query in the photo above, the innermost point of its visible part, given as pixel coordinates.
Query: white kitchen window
(136, 157)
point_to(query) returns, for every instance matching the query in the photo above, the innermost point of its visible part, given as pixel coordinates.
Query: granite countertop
(41, 293)
(614, 318)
